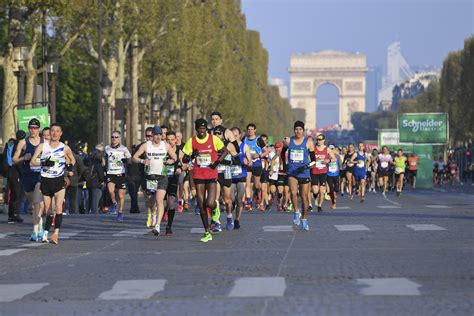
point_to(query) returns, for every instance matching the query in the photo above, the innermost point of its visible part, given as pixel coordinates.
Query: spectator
(95, 178)
(72, 190)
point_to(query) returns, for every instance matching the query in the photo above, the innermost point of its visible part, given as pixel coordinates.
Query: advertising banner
(423, 128)
(24, 116)
(388, 137)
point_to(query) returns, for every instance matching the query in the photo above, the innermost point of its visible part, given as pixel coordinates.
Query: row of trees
(194, 56)
(453, 94)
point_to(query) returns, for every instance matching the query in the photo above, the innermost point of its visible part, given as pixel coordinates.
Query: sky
(427, 29)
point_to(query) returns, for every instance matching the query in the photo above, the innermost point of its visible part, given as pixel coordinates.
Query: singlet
(413, 163)
(206, 155)
(360, 162)
(239, 171)
(254, 149)
(321, 156)
(171, 169)
(333, 167)
(114, 159)
(275, 166)
(56, 155)
(157, 156)
(25, 168)
(384, 161)
(399, 163)
(298, 157)
(347, 161)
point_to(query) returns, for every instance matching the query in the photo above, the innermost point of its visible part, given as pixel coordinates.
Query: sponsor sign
(423, 128)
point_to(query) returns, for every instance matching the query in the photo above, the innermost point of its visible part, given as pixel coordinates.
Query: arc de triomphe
(346, 71)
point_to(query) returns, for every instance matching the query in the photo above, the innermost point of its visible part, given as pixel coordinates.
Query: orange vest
(412, 163)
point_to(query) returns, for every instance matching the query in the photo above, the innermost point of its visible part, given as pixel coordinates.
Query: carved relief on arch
(335, 82)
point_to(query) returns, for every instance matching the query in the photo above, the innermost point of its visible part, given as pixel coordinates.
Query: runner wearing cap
(55, 158)
(116, 158)
(31, 176)
(157, 152)
(319, 172)
(203, 148)
(301, 159)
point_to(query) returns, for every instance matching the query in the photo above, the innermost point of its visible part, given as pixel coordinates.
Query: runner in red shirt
(319, 173)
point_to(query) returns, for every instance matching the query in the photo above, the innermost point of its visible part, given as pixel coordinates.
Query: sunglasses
(115, 137)
(147, 136)
(319, 138)
(33, 127)
(217, 133)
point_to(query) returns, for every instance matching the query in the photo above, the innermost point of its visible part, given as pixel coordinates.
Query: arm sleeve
(188, 147)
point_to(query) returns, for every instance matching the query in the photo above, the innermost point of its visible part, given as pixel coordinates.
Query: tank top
(384, 161)
(333, 167)
(361, 160)
(239, 171)
(412, 163)
(347, 161)
(254, 149)
(399, 163)
(321, 166)
(157, 156)
(27, 170)
(56, 155)
(298, 157)
(206, 155)
(114, 159)
(171, 169)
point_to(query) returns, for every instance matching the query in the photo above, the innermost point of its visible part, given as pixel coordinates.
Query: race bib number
(276, 168)
(360, 163)
(413, 163)
(398, 169)
(170, 171)
(204, 161)
(320, 164)
(236, 170)
(274, 176)
(453, 171)
(152, 185)
(220, 168)
(333, 167)
(252, 151)
(384, 164)
(297, 155)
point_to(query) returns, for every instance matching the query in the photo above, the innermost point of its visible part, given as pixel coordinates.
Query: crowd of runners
(217, 168)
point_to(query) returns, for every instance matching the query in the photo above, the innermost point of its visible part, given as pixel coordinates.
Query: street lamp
(142, 97)
(20, 55)
(106, 86)
(127, 96)
(52, 67)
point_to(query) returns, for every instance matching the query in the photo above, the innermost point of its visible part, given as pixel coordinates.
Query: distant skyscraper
(374, 84)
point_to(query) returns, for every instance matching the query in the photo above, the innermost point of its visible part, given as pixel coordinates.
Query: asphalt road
(400, 256)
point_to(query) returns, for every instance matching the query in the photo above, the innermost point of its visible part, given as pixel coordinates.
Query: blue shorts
(30, 180)
(360, 176)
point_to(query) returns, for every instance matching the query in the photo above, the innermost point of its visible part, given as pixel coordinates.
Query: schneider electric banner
(423, 128)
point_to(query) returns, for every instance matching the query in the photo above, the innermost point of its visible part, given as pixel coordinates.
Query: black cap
(34, 123)
(298, 124)
(20, 134)
(200, 122)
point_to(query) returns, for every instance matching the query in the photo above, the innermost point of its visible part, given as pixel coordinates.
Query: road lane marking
(280, 228)
(3, 235)
(439, 190)
(9, 252)
(33, 244)
(392, 201)
(389, 286)
(351, 228)
(388, 206)
(343, 207)
(437, 206)
(12, 292)
(425, 227)
(259, 287)
(131, 232)
(133, 290)
(67, 234)
(199, 230)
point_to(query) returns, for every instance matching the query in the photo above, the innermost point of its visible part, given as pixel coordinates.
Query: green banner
(24, 116)
(423, 128)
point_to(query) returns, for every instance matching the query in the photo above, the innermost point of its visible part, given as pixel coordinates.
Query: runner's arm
(69, 155)
(19, 148)
(171, 152)
(136, 157)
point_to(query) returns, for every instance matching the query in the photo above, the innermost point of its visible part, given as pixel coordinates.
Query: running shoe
(156, 230)
(120, 217)
(15, 219)
(230, 224)
(40, 233)
(148, 221)
(180, 206)
(34, 237)
(236, 224)
(296, 218)
(216, 213)
(352, 196)
(320, 209)
(327, 197)
(54, 239)
(333, 206)
(310, 208)
(197, 210)
(217, 228)
(113, 208)
(165, 216)
(362, 199)
(185, 206)
(45, 237)
(206, 237)
(290, 207)
(169, 232)
(261, 208)
(384, 195)
(304, 224)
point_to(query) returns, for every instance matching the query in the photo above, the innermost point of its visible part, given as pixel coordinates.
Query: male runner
(413, 168)
(349, 165)
(384, 160)
(360, 169)
(320, 171)
(400, 165)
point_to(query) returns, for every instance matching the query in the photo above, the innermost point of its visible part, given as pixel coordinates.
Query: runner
(156, 151)
(360, 170)
(53, 156)
(116, 158)
(300, 149)
(204, 148)
(319, 173)
(384, 160)
(45, 133)
(334, 164)
(342, 170)
(239, 176)
(174, 170)
(224, 184)
(275, 164)
(400, 165)
(349, 166)
(31, 176)
(371, 170)
(413, 169)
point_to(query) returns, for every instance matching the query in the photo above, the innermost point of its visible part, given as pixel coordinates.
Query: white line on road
(9, 252)
(199, 230)
(425, 227)
(389, 286)
(33, 244)
(391, 201)
(3, 235)
(388, 206)
(133, 290)
(343, 207)
(351, 228)
(439, 190)
(281, 228)
(67, 235)
(259, 287)
(131, 232)
(12, 292)
(437, 206)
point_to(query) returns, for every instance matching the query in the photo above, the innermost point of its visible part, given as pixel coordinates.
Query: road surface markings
(3, 235)
(351, 228)
(33, 244)
(343, 207)
(9, 252)
(439, 190)
(132, 232)
(67, 235)
(281, 228)
(425, 227)
(389, 286)
(259, 287)
(199, 230)
(388, 206)
(437, 206)
(133, 290)
(12, 292)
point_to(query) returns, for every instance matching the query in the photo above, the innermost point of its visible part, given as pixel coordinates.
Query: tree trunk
(135, 106)
(10, 94)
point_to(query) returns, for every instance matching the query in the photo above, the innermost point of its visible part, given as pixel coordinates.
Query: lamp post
(106, 85)
(127, 96)
(20, 55)
(142, 97)
(155, 108)
(52, 67)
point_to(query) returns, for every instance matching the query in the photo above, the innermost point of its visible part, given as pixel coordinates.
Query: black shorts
(319, 179)
(51, 186)
(382, 173)
(239, 180)
(397, 175)
(350, 169)
(29, 181)
(265, 175)
(342, 173)
(333, 183)
(282, 180)
(222, 181)
(155, 183)
(120, 180)
(172, 188)
(301, 180)
(273, 182)
(204, 181)
(256, 171)
(412, 173)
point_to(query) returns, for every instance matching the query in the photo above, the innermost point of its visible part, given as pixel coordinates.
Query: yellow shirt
(188, 147)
